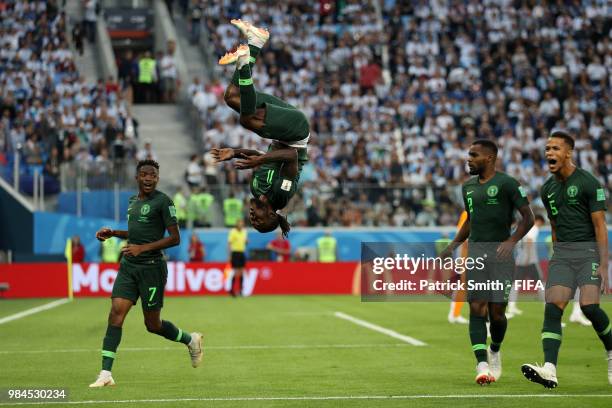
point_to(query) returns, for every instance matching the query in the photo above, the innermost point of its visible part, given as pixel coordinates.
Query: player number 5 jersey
(569, 205)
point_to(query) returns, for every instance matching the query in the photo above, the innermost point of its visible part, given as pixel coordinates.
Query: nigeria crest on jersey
(572, 193)
(492, 193)
(144, 210)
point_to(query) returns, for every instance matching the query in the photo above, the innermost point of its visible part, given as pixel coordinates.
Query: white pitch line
(312, 398)
(33, 310)
(372, 326)
(245, 347)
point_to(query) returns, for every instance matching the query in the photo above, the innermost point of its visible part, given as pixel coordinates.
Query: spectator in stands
(52, 166)
(193, 174)
(232, 210)
(195, 86)
(195, 21)
(77, 36)
(78, 250)
(455, 73)
(90, 19)
(110, 250)
(204, 100)
(199, 205)
(111, 87)
(169, 74)
(146, 152)
(129, 125)
(196, 249)
(327, 248)
(211, 172)
(281, 247)
(127, 69)
(50, 113)
(147, 78)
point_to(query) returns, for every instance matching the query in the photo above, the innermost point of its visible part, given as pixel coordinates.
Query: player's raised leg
(169, 331)
(256, 37)
(151, 288)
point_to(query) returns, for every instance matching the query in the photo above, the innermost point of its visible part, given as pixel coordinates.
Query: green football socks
(551, 333)
(172, 333)
(478, 336)
(109, 346)
(254, 51)
(601, 323)
(498, 331)
(248, 98)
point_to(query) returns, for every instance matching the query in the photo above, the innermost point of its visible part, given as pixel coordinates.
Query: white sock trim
(256, 41)
(242, 61)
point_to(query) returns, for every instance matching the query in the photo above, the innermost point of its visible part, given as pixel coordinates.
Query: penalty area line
(34, 310)
(380, 329)
(309, 398)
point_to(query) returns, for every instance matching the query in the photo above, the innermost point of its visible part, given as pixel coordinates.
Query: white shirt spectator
(168, 67)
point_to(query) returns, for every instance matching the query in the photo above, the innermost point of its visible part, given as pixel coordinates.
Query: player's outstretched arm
(287, 156)
(228, 153)
(247, 152)
(601, 236)
(172, 240)
(524, 225)
(105, 233)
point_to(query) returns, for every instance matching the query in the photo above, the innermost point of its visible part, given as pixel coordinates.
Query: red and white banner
(34, 280)
(184, 279)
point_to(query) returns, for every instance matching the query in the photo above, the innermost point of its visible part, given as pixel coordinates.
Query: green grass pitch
(276, 351)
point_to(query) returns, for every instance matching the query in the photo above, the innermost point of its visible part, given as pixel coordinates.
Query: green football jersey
(491, 206)
(267, 180)
(569, 205)
(148, 220)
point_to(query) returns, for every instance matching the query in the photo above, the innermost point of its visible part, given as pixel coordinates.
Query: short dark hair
(147, 162)
(487, 144)
(563, 134)
(539, 217)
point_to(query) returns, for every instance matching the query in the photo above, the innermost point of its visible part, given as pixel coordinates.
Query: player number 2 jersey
(148, 220)
(491, 206)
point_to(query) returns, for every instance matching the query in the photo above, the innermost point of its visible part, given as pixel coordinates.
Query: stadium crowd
(50, 113)
(395, 102)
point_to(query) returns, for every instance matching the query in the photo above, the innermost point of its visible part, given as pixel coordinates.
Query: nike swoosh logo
(469, 192)
(550, 195)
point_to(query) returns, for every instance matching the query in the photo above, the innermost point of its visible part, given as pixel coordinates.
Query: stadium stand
(61, 124)
(396, 94)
